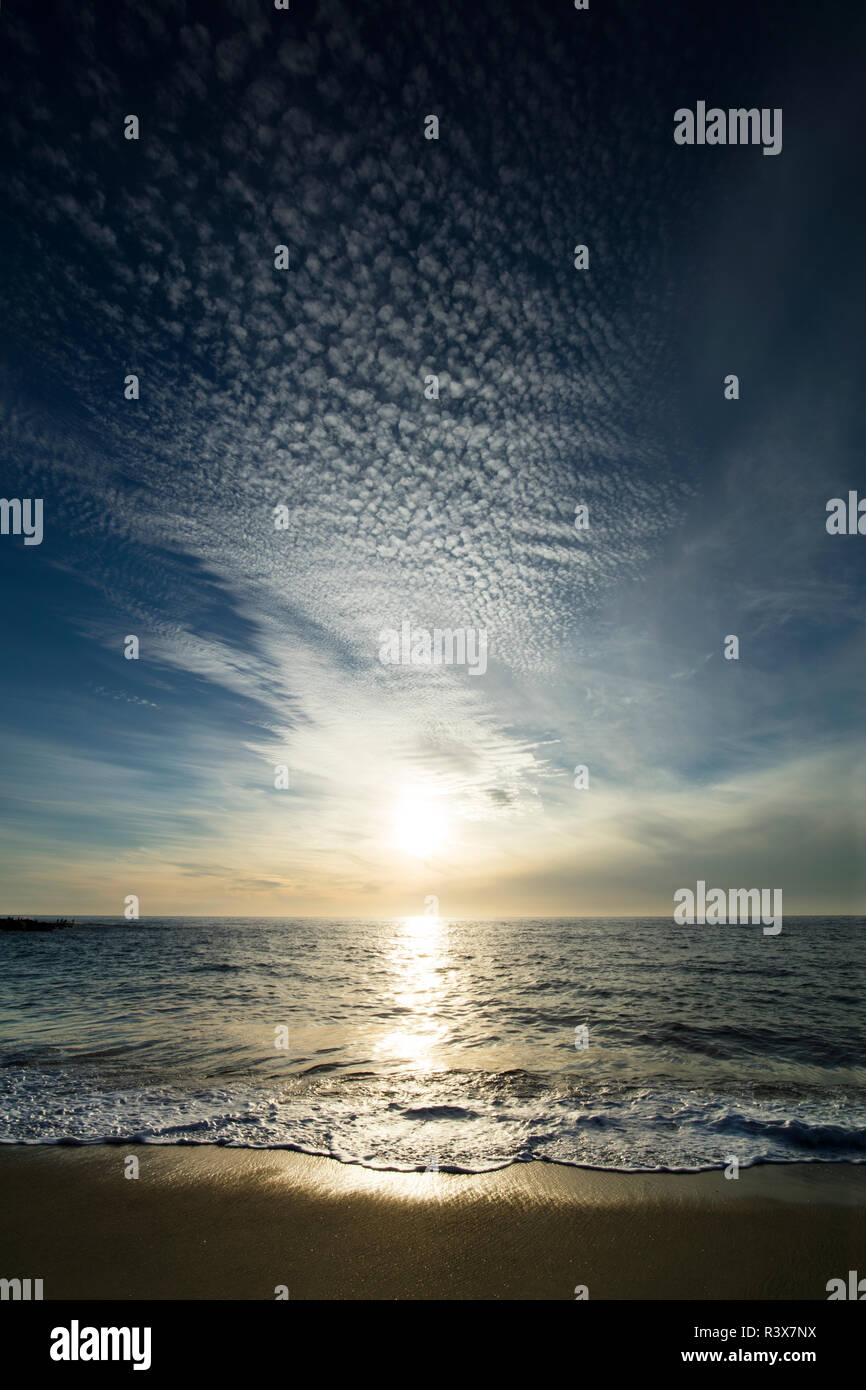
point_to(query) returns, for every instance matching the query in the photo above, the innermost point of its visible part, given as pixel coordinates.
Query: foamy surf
(625, 1044)
(500, 1120)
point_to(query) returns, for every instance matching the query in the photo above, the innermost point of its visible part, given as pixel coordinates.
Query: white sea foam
(469, 1123)
(420, 1042)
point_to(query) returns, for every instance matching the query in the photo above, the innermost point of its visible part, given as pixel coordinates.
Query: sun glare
(426, 926)
(419, 825)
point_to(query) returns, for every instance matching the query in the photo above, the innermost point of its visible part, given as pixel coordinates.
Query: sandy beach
(217, 1223)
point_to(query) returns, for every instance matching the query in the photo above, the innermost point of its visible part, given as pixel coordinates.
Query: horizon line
(394, 917)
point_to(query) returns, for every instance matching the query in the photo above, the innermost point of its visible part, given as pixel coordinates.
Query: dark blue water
(421, 1042)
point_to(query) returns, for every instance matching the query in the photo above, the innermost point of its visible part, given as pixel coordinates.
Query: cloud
(408, 258)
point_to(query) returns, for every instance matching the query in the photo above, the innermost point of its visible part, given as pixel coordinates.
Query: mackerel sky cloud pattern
(305, 388)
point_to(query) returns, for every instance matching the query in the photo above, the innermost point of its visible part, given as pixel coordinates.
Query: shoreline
(135, 1145)
(212, 1222)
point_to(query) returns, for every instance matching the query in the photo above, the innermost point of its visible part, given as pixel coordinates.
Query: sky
(308, 389)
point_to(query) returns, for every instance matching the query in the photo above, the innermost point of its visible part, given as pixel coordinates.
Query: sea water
(629, 1044)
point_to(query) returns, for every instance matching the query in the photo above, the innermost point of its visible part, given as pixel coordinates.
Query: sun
(419, 824)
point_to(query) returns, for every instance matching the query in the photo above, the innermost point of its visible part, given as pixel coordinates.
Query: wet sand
(217, 1223)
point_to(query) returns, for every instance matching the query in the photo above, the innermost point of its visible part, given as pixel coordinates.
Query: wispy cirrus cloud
(260, 388)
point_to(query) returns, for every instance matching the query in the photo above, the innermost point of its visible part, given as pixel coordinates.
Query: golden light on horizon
(426, 925)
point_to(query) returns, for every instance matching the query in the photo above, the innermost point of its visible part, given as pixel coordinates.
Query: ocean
(632, 1044)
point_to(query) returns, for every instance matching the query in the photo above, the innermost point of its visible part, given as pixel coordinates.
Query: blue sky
(306, 388)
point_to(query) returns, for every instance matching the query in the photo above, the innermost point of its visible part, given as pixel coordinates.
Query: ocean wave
(459, 1122)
